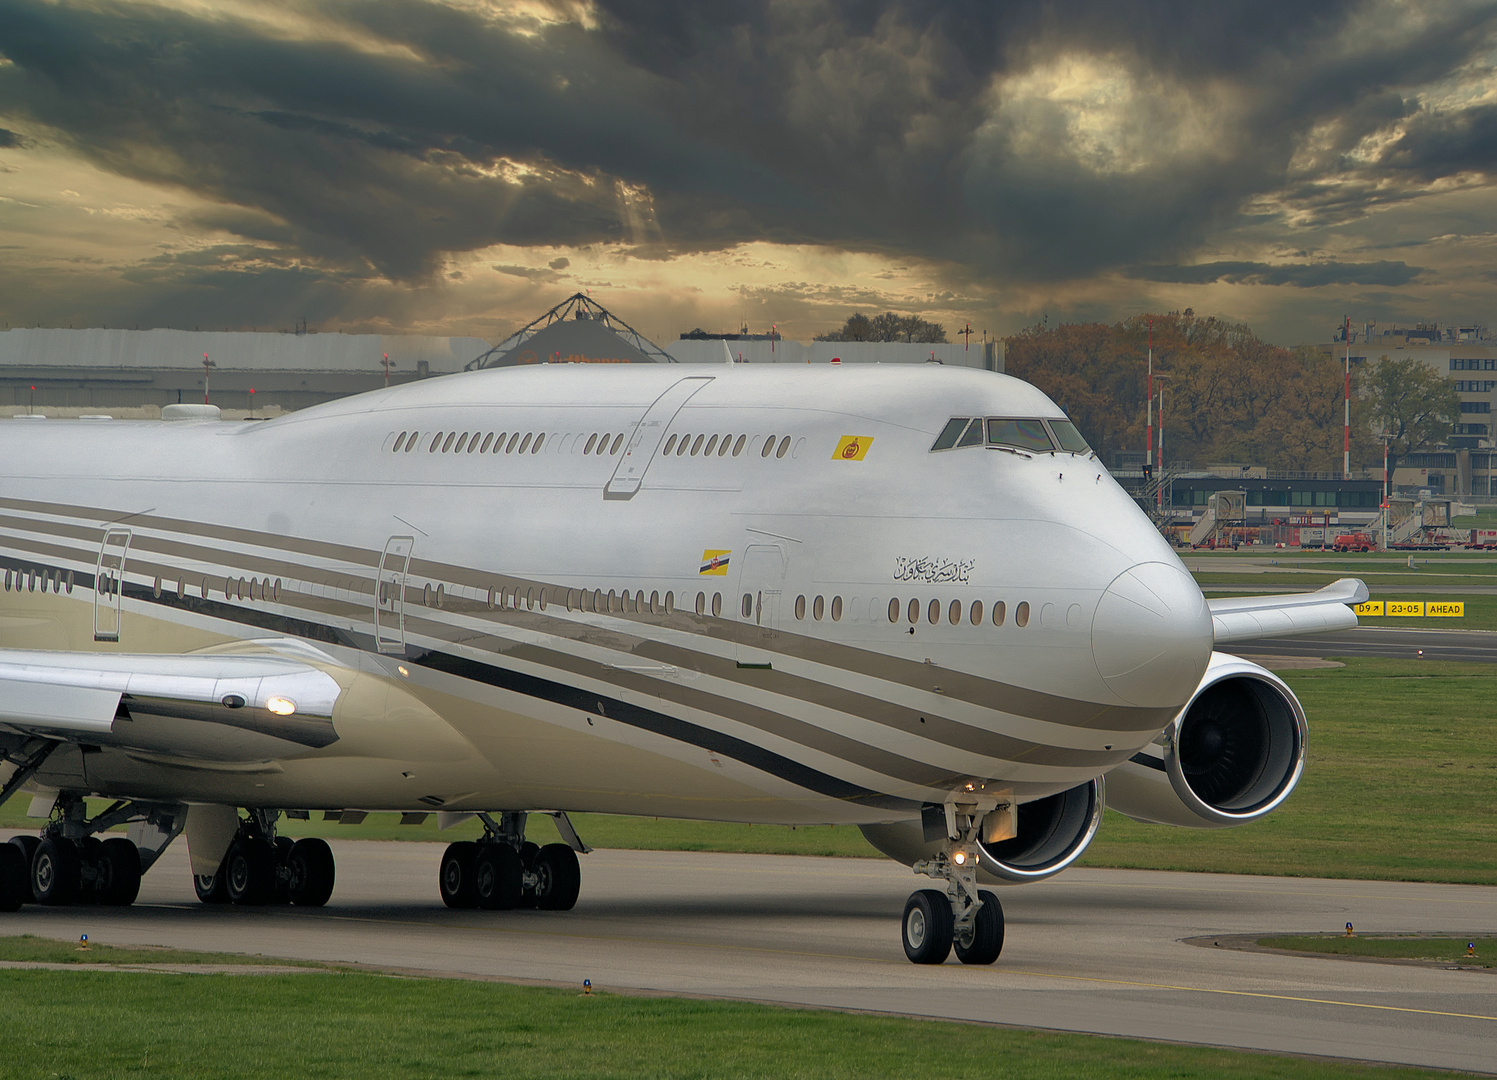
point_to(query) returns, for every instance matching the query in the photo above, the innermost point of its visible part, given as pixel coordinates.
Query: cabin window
(1021, 434)
(461, 442)
(818, 608)
(738, 446)
(70, 584)
(697, 446)
(800, 607)
(436, 443)
(654, 602)
(685, 445)
(768, 447)
(535, 447)
(410, 444)
(711, 445)
(441, 595)
(670, 602)
(447, 445)
(618, 442)
(399, 442)
(784, 446)
(894, 610)
(525, 442)
(1000, 609)
(954, 614)
(746, 608)
(593, 438)
(701, 603)
(717, 604)
(836, 609)
(914, 610)
(977, 613)
(499, 442)
(1021, 614)
(669, 445)
(484, 449)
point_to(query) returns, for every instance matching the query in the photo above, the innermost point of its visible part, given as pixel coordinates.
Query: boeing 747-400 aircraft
(909, 599)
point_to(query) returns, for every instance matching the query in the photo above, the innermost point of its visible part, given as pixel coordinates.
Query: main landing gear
(262, 868)
(962, 916)
(503, 870)
(70, 864)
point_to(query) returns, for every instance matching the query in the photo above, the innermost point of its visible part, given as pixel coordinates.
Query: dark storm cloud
(409, 129)
(1300, 275)
(10, 140)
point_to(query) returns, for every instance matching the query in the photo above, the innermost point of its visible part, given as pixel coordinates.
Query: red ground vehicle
(1354, 541)
(1484, 539)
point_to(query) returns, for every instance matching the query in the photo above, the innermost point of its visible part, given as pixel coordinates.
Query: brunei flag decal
(715, 563)
(852, 447)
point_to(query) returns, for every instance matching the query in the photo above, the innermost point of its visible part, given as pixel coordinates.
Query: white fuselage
(523, 630)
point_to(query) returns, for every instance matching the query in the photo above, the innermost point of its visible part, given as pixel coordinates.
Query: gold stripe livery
(853, 447)
(715, 563)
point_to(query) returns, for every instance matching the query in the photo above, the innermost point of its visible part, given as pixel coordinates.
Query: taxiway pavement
(1089, 951)
(1471, 646)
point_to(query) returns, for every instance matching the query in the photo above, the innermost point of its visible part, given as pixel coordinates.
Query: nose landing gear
(962, 916)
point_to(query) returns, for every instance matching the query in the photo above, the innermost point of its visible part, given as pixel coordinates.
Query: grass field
(344, 1024)
(1446, 950)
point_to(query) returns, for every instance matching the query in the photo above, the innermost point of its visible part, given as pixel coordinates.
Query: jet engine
(1052, 834)
(1232, 755)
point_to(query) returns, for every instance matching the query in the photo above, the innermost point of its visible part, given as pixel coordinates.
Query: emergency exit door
(389, 595)
(109, 580)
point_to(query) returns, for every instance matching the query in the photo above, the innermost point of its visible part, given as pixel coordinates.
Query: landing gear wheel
(985, 940)
(15, 878)
(249, 871)
(312, 872)
(455, 877)
(212, 888)
(28, 846)
(559, 878)
(927, 927)
(497, 877)
(56, 872)
(119, 861)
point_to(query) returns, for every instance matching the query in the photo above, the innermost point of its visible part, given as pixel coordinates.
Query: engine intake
(1234, 753)
(1053, 832)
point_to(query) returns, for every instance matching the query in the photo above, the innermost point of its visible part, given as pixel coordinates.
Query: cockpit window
(1069, 438)
(951, 432)
(972, 436)
(1021, 434)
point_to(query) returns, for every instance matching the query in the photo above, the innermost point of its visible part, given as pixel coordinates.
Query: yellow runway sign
(1426, 609)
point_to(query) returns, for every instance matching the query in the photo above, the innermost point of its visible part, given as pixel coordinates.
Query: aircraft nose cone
(1152, 635)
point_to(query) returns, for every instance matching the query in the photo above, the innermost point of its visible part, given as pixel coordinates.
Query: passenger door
(760, 585)
(109, 578)
(389, 595)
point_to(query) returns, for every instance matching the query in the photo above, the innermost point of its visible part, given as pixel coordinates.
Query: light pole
(1160, 470)
(206, 365)
(1149, 428)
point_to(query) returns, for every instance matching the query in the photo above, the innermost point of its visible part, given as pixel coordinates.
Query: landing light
(959, 857)
(281, 706)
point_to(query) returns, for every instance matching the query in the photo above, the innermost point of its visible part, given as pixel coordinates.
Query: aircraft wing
(1249, 618)
(205, 705)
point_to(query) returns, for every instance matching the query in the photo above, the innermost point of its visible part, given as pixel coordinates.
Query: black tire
(15, 878)
(985, 941)
(313, 872)
(249, 871)
(56, 872)
(560, 878)
(497, 877)
(93, 871)
(28, 846)
(119, 863)
(455, 876)
(211, 888)
(927, 927)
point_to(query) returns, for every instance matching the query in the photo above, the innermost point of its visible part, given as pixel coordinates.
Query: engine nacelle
(1053, 832)
(1232, 756)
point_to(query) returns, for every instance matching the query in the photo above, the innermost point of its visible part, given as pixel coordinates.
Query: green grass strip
(29, 948)
(105, 1025)
(1448, 950)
